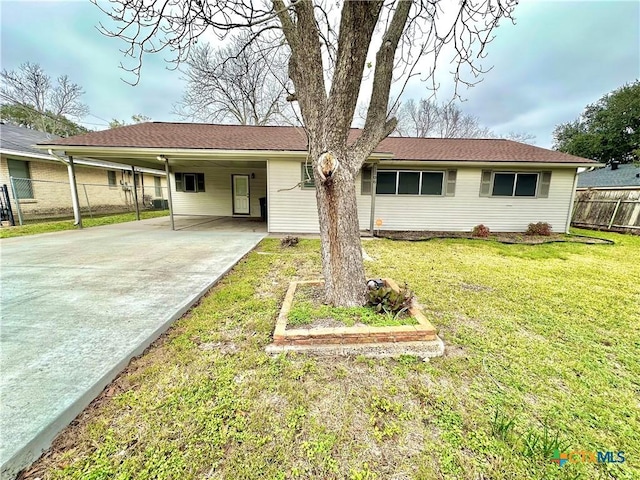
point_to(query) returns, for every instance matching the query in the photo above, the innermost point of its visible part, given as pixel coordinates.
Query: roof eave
(491, 163)
(192, 153)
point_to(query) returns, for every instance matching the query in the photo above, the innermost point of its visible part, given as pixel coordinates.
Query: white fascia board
(16, 153)
(183, 153)
(497, 165)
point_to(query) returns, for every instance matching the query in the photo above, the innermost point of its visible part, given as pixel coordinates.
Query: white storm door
(240, 194)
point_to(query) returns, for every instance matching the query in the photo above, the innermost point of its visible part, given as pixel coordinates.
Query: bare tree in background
(329, 46)
(136, 118)
(243, 83)
(522, 137)
(426, 118)
(32, 90)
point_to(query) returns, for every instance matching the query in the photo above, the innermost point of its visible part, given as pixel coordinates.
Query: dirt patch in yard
(502, 237)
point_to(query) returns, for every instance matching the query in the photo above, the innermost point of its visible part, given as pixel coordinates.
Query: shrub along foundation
(420, 339)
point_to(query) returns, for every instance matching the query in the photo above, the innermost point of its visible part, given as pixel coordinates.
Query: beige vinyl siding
(295, 210)
(291, 208)
(467, 209)
(216, 199)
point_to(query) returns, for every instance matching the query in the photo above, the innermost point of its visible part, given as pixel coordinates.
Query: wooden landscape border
(422, 332)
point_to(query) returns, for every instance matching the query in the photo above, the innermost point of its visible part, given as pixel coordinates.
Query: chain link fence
(34, 201)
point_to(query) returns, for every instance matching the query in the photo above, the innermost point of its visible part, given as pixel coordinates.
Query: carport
(78, 305)
(218, 171)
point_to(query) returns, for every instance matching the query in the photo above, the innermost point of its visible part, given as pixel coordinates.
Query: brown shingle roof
(237, 137)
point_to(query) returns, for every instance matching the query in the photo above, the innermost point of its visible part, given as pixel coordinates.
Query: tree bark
(342, 264)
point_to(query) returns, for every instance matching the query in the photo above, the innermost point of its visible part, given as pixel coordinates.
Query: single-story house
(42, 180)
(614, 176)
(406, 184)
(609, 198)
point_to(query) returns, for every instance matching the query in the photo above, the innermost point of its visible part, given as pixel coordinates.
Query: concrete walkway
(77, 306)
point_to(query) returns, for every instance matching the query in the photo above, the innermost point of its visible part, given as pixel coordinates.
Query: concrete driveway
(77, 306)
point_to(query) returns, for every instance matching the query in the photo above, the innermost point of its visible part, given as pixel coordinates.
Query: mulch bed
(502, 237)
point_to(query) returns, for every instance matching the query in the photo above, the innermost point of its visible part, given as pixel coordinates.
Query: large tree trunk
(342, 265)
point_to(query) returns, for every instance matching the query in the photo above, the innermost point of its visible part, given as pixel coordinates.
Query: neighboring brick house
(42, 180)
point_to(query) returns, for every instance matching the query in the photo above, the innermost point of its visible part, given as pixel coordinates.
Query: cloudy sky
(559, 57)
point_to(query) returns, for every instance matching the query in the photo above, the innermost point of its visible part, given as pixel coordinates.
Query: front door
(240, 192)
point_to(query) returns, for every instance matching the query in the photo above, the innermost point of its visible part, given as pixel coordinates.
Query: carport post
(374, 181)
(135, 191)
(166, 169)
(74, 192)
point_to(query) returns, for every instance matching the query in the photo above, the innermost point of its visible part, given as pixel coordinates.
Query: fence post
(615, 210)
(15, 197)
(84, 187)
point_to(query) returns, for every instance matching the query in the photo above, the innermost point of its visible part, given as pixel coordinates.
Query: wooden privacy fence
(616, 210)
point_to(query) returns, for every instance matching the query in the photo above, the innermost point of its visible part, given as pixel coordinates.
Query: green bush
(387, 300)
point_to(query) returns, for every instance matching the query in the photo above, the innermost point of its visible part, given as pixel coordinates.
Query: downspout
(166, 169)
(573, 199)
(74, 187)
(374, 176)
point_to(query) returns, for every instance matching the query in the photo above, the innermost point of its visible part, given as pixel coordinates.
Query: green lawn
(47, 227)
(542, 342)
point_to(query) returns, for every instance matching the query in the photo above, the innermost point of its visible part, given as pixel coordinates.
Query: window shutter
(545, 183)
(451, 183)
(365, 183)
(200, 182)
(308, 181)
(179, 184)
(485, 184)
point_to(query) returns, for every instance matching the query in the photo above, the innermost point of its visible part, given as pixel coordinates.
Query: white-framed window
(111, 178)
(189, 182)
(515, 184)
(415, 182)
(21, 173)
(307, 181)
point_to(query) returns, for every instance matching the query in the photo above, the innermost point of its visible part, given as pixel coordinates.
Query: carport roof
(202, 136)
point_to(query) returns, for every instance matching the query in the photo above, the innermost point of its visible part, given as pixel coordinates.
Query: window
(365, 180)
(307, 176)
(111, 178)
(157, 183)
(515, 184)
(411, 182)
(431, 183)
(408, 183)
(190, 182)
(21, 174)
(386, 183)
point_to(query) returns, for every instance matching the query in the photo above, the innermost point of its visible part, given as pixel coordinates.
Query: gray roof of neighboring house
(21, 139)
(627, 175)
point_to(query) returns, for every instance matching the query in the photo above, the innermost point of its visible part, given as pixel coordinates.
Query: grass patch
(547, 335)
(48, 227)
(309, 310)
